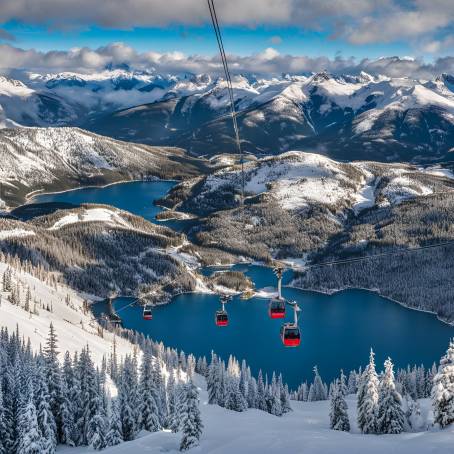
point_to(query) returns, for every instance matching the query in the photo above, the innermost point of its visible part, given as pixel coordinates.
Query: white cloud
(359, 21)
(276, 40)
(268, 62)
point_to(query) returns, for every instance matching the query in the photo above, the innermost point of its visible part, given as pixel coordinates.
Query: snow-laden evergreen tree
(149, 396)
(338, 414)
(114, 434)
(213, 380)
(68, 404)
(127, 399)
(252, 393)
(89, 394)
(352, 386)
(391, 418)
(413, 417)
(343, 388)
(260, 401)
(53, 378)
(173, 419)
(191, 421)
(317, 391)
(368, 398)
(96, 432)
(235, 400)
(443, 389)
(46, 421)
(3, 427)
(284, 396)
(30, 439)
(160, 388)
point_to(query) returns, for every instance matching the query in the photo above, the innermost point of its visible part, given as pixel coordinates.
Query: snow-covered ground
(297, 178)
(74, 328)
(106, 215)
(303, 431)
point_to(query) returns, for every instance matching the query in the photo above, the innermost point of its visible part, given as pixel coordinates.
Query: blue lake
(136, 197)
(337, 330)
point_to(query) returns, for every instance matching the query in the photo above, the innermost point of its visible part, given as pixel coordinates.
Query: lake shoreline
(39, 192)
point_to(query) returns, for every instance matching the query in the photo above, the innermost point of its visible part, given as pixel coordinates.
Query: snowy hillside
(304, 430)
(345, 116)
(61, 158)
(89, 247)
(296, 179)
(335, 115)
(75, 327)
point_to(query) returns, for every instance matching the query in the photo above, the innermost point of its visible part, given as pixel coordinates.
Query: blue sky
(200, 40)
(274, 35)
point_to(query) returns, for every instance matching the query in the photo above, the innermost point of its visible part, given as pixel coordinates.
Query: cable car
(276, 308)
(221, 318)
(147, 312)
(290, 335)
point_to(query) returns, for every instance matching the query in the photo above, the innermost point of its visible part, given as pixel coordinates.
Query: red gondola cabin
(221, 318)
(290, 335)
(276, 308)
(147, 313)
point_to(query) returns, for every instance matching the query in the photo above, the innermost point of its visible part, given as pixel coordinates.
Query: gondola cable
(217, 31)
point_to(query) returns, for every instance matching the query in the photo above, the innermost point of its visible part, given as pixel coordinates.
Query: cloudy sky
(276, 35)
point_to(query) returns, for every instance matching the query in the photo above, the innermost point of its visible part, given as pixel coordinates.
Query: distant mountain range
(342, 116)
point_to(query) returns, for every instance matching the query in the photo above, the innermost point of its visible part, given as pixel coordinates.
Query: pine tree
(191, 424)
(260, 402)
(235, 400)
(368, 398)
(173, 421)
(338, 409)
(252, 393)
(96, 432)
(46, 421)
(30, 441)
(69, 402)
(3, 428)
(352, 383)
(148, 408)
(127, 400)
(413, 415)
(114, 436)
(443, 389)
(317, 390)
(284, 396)
(213, 380)
(390, 413)
(53, 378)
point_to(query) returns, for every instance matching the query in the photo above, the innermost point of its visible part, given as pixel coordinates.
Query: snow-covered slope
(296, 179)
(75, 327)
(303, 431)
(343, 116)
(90, 246)
(351, 116)
(61, 158)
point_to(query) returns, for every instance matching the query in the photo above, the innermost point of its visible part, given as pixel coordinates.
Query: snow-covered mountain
(345, 116)
(62, 158)
(296, 180)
